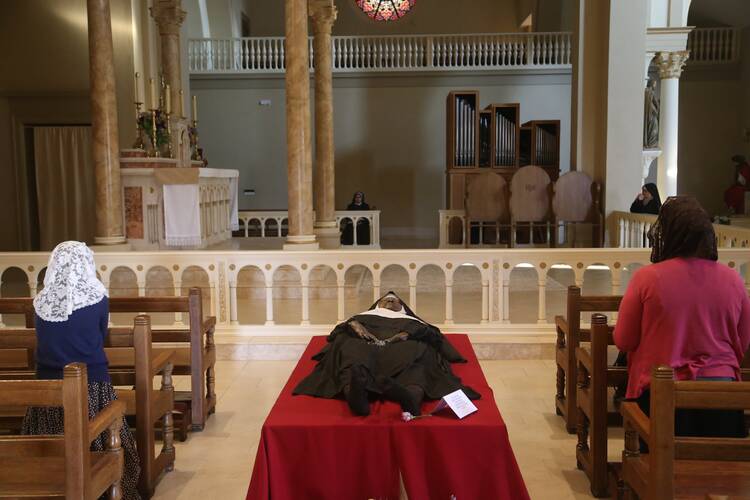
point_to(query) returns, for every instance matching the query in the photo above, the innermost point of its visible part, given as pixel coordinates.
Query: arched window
(386, 10)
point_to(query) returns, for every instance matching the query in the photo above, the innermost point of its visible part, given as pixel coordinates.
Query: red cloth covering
(315, 448)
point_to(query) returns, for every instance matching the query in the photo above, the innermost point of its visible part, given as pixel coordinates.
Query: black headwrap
(683, 229)
(651, 188)
(407, 309)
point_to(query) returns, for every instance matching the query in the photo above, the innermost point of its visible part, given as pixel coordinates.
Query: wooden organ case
(493, 140)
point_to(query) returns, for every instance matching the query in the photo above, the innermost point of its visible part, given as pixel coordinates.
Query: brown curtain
(65, 185)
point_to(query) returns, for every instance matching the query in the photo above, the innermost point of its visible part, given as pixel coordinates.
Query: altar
(169, 207)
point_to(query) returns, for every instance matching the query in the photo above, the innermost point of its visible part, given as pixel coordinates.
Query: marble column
(670, 68)
(298, 129)
(169, 16)
(104, 130)
(323, 14)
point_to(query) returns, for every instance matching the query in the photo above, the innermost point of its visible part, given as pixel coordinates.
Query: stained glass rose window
(386, 10)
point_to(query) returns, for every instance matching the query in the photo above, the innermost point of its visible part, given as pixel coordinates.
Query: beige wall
(389, 133)
(45, 78)
(428, 16)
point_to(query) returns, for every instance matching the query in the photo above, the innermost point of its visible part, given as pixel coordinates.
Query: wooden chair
(576, 206)
(594, 377)
(486, 207)
(569, 338)
(131, 362)
(682, 467)
(197, 356)
(530, 206)
(57, 466)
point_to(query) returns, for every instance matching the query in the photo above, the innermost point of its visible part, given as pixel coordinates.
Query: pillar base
(109, 240)
(111, 247)
(328, 235)
(301, 242)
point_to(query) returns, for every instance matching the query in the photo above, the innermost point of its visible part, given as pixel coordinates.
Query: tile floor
(217, 463)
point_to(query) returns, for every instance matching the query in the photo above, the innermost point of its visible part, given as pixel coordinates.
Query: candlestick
(137, 75)
(195, 108)
(153, 134)
(152, 91)
(182, 104)
(168, 100)
(170, 154)
(138, 144)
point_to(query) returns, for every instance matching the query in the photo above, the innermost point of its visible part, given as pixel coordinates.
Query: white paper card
(458, 402)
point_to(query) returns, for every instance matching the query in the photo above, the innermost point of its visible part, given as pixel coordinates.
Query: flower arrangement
(145, 120)
(408, 417)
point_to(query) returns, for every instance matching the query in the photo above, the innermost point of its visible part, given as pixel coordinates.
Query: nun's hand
(399, 337)
(360, 330)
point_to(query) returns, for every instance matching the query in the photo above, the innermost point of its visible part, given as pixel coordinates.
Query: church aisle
(216, 463)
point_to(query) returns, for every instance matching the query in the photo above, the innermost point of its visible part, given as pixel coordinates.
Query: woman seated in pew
(386, 352)
(686, 311)
(72, 314)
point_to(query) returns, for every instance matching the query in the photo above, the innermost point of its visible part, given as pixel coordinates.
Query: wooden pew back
(52, 465)
(594, 376)
(653, 476)
(569, 338)
(197, 358)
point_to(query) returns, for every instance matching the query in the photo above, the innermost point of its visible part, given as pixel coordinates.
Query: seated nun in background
(72, 314)
(386, 352)
(363, 225)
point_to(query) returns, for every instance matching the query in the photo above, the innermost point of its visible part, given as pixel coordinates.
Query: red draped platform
(312, 448)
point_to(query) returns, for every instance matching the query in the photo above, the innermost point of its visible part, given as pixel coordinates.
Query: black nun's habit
(388, 352)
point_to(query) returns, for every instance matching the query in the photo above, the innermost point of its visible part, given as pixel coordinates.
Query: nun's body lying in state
(385, 352)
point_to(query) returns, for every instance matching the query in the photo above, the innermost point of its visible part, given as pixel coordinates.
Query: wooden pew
(131, 362)
(681, 467)
(197, 358)
(594, 377)
(44, 466)
(569, 338)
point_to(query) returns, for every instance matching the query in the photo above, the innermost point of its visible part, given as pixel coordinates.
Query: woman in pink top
(686, 311)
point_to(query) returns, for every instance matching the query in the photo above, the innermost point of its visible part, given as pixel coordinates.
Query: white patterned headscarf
(70, 282)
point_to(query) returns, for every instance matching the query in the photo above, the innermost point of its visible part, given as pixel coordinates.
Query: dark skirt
(49, 420)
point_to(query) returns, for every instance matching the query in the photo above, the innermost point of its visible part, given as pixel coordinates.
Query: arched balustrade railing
(218, 274)
(460, 52)
(631, 231)
(273, 224)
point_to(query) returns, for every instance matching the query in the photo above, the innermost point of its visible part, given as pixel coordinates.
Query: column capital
(671, 63)
(168, 15)
(323, 14)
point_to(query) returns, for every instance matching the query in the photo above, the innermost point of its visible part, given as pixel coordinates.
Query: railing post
(178, 293)
(449, 301)
(233, 303)
(413, 293)
(506, 294)
(269, 302)
(305, 299)
(542, 286)
(485, 302)
(340, 298)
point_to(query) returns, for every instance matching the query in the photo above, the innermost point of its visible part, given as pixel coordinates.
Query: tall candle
(182, 105)
(168, 101)
(195, 108)
(137, 76)
(152, 90)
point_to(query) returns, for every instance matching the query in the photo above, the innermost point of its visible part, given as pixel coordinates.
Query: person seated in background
(734, 196)
(686, 311)
(71, 318)
(386, 352)
(648, 201)
(363, 225)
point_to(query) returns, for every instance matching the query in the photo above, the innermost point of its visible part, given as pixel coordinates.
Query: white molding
(667, 39)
